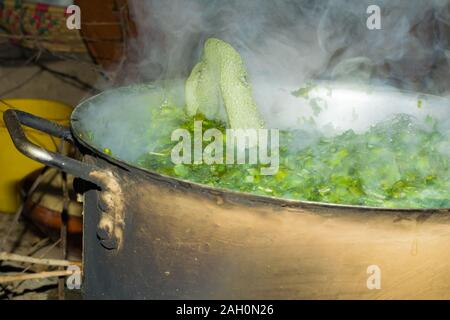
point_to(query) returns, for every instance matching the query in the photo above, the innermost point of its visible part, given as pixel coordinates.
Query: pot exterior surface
(183, 243)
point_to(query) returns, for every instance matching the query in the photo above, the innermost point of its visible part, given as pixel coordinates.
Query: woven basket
(39, 26)
(106, 31)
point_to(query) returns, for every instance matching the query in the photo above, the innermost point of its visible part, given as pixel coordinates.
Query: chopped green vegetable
(107, 151)
(397, 163)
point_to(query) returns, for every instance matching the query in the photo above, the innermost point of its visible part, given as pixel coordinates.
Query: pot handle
(111, 224)
(14, 119)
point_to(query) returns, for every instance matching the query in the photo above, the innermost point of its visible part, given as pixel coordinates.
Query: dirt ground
(24, 239)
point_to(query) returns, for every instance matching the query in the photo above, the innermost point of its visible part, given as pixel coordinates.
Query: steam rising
(284, 44)
(292, 41)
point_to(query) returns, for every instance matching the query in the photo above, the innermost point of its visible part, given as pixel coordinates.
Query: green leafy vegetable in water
(107, 151)
(398, 163)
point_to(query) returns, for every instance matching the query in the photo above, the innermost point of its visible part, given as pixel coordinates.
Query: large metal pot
(148, 236)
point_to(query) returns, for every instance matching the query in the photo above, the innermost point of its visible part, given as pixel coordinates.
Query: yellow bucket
(13, 165)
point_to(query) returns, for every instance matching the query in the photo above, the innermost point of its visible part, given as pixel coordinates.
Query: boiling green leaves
(218, 88)
(398, 163)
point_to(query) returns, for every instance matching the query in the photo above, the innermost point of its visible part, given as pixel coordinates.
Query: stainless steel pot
(148, 236)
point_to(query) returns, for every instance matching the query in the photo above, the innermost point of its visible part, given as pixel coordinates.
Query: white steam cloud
(285, 44)
(292, 41)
